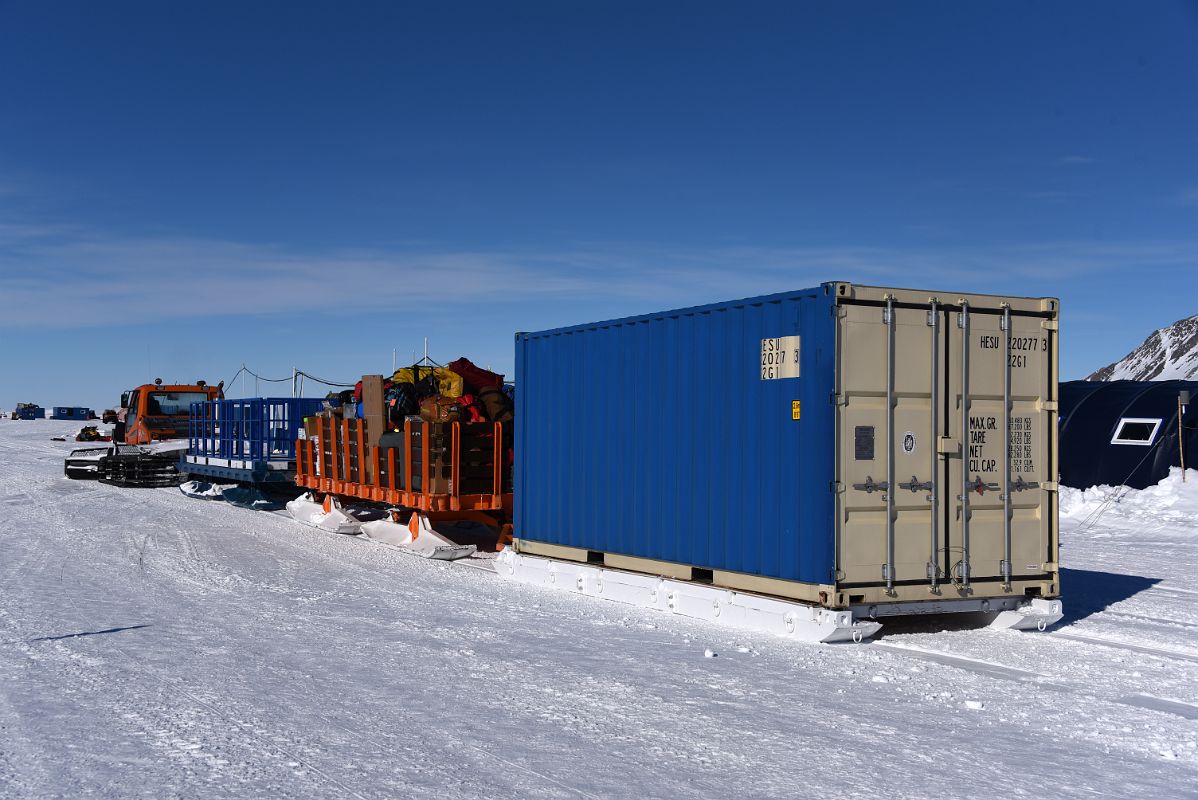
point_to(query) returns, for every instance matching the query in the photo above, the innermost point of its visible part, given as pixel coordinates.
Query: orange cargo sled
(448, 483)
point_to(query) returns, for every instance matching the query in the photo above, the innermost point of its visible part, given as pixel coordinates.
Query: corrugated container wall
(657, 437)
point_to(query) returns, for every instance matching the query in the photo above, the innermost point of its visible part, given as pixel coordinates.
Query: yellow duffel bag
(449, 383)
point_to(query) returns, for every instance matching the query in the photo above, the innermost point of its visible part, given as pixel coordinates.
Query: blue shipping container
(864, 445)
(656, 437)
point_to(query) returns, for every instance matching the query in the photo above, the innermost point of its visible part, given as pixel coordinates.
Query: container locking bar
(888, 318)
(934, 323)
(1006, 450)
(963, 324)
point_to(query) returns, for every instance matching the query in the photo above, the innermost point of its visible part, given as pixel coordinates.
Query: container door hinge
(834, 487)
(1050, 566)
(1050, 324)
(838, 399)
(947, 446)
(1048, 486)
(1049, 405)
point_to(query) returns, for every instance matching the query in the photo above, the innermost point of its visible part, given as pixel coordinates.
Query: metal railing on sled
(250, 439)
(431, 467)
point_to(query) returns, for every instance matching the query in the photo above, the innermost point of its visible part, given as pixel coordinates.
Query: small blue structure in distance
(29, 411)
(81, 413)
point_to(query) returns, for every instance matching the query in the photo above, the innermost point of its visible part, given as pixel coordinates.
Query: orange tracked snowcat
(150, 428)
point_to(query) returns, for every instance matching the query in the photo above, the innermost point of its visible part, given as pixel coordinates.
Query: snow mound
(1172, 503)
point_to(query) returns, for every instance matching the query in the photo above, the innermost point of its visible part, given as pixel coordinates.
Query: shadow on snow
(87, 633)
(1084, 593)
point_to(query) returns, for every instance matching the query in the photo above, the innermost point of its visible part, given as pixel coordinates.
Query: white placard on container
(780, 358)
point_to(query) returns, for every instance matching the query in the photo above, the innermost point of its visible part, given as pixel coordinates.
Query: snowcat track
(140, 470)
(83, 464)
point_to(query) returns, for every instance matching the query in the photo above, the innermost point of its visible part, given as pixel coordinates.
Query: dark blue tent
(1124, 432)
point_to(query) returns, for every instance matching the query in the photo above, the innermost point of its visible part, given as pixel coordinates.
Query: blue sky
(187, 187)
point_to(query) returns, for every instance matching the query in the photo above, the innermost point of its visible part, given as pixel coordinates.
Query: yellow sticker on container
(794, 409)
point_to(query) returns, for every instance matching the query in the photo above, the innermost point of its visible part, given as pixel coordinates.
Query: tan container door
(1000, 373)
(891, 391)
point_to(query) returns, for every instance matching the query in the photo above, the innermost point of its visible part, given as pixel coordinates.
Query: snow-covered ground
(153, 645)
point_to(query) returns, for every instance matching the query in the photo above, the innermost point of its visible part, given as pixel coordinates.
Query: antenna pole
(1181, 441)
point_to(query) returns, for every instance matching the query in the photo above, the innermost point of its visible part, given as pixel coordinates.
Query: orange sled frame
(337, 472)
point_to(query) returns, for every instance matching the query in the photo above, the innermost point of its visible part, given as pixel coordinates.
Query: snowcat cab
(154, 411)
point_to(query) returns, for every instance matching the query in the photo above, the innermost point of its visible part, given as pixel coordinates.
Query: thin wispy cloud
(1054, 195)
(114, 280)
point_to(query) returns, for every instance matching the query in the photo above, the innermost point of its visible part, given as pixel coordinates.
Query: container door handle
(979, 486)
(915, 486)
(870, 486)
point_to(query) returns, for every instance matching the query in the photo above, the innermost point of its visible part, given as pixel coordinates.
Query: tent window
(1134, 430)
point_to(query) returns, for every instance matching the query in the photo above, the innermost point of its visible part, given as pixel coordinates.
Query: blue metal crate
(250, 440)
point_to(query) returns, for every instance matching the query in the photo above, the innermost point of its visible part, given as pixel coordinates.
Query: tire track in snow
(977, 665)
(1159, 652)
(1004, 672)
(1187, 710)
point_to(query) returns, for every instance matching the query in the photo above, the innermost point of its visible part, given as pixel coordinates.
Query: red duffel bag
(476, 377)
